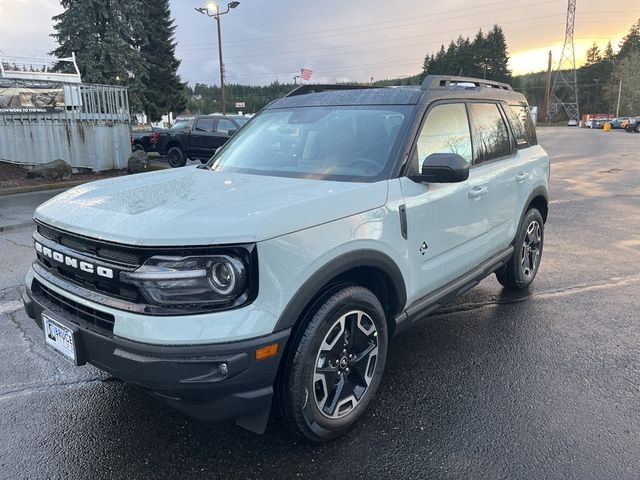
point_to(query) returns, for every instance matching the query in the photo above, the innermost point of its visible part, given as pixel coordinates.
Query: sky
(352, 40)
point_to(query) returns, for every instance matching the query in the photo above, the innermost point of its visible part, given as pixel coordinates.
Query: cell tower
(564, 94)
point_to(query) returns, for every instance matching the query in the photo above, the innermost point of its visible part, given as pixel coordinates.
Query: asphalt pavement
(494, 386)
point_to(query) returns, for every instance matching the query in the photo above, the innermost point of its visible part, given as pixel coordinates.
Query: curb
(41, 188)
(17, 226)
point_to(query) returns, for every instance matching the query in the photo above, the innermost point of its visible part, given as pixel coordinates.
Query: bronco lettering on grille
(74, 262)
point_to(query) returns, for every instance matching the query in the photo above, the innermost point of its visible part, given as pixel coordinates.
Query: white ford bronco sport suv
(277, 272)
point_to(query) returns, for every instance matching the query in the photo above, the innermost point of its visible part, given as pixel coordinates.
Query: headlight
(198, 280)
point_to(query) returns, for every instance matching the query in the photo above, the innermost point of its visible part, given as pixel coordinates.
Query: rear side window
(446, 130)
(225, 125)
(490, 136)
(517, 128)
(205, 124)
(524, 115)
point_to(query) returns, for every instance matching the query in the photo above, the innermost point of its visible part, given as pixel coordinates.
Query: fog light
(223, 369)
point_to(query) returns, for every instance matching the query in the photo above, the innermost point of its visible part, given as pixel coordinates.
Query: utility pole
(619, 95)
(547, 90)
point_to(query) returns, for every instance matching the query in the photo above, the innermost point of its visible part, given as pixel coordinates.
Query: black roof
(434, 87)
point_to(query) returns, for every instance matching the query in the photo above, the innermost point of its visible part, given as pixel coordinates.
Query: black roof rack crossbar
(446, 81)
(304, 89)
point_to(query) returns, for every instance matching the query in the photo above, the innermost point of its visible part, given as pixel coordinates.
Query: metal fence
(82, 103)
(90, 130)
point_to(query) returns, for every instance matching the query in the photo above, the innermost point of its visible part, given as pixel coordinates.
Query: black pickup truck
(633, 125)
(197, 138)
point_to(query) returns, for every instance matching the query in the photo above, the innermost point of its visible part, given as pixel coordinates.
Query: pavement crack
(559, 292)
(49, 386)
(17, 244)
(31, 345)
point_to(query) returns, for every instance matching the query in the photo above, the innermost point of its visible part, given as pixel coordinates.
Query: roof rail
(446, 81)
(304, 89)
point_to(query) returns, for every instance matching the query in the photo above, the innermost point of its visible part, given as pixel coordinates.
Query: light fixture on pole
(213, 10)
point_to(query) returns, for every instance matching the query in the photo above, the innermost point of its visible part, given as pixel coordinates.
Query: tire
(320, 403)
(523, 266)
(139, 147)
(637, 129)
(176, 158)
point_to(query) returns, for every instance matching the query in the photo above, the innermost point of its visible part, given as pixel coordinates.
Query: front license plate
(59, 337)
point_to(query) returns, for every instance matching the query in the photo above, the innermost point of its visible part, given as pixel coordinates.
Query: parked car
(572, 123)
(144, 137)
(633, 125)
(619, 122)
(198, 138)
(337, 218)
(599, 122)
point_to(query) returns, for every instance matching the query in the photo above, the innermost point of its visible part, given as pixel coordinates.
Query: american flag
(305, 73)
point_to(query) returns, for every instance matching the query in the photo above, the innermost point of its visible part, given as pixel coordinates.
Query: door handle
(521, 177)
(478, 192)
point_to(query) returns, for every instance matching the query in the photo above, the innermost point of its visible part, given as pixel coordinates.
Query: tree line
(115, 44)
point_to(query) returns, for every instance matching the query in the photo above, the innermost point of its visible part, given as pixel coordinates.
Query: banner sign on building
(26, 97)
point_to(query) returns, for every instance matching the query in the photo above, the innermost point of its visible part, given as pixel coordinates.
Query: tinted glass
(205, 124)
(518, 128)
(180, 124)
(524, 115)
(333, 143)
(490, 136)
(241, 120)
(446, 130)
(225, 125)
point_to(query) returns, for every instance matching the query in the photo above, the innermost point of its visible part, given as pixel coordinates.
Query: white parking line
(10, 307)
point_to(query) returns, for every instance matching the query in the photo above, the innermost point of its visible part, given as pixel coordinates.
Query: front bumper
(187, 377)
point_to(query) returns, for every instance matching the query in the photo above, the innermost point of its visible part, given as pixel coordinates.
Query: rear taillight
(155, 136)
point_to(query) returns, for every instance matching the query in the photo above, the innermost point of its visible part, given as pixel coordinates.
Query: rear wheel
(335, 366)
(176, 158)
(523, 266)
(637, 129)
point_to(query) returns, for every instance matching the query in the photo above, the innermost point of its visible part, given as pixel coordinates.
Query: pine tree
(164, 90)
(593, 55)
(497, 55)
(479, 56)
(631, 41)
(102, 34)
(608, 52)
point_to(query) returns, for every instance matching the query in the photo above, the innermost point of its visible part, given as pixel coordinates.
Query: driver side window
(446, 130)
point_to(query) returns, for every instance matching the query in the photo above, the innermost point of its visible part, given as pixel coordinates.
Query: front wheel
(521, 269)
(637, 129)
(335, 366)
(176, 158)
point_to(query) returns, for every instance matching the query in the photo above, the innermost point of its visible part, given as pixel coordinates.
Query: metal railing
(82, 103)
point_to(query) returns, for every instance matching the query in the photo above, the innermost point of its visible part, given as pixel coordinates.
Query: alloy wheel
(531, 249)
(345, 364)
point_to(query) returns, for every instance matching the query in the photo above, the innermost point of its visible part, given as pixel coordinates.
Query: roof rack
(447, 81)
(304, 89)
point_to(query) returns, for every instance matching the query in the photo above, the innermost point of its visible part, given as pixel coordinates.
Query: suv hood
(195, 206)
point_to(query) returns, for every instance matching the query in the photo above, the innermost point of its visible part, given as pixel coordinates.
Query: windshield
(351, 143)
(180, 124)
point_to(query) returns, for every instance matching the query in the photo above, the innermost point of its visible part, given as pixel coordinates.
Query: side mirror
(232, 131)
(443, 168)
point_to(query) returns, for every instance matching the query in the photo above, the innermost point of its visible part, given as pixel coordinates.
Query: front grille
(73, 311)
(96, 248)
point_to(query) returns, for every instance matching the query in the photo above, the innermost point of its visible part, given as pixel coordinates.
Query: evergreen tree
(102, 34)
(631, 41)
(593, 55)
(479, 56)
(164, 90)
(497, 55)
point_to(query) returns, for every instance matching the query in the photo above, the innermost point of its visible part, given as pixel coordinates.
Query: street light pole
(224, 105)
(216, 15)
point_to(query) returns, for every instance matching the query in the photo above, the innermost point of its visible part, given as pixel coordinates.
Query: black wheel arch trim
(539, 191)
(339, 265)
